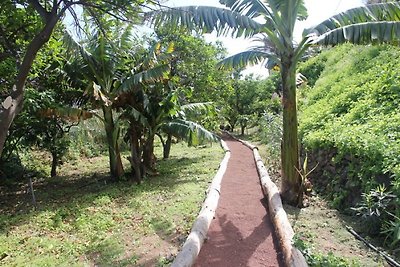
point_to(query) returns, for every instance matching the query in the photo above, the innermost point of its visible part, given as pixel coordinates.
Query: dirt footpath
(242, 233)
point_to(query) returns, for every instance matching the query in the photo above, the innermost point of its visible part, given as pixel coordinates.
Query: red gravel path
(242, 233)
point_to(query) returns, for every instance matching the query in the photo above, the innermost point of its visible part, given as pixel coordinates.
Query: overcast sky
(318, 10)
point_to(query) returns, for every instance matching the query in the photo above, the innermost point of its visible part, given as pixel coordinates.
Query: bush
(270, 132)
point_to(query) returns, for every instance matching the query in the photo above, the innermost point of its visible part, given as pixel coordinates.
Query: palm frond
(250, 57)
(207, 18)
(97, 61)
(362, 33)
(199, 108)
(138, 116)
(73, 46)
(358, 15)
(192, 132)
(149, 76)
(249, 8)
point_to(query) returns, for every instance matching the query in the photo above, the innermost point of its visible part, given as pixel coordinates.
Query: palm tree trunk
(112, 132)
(291, 180)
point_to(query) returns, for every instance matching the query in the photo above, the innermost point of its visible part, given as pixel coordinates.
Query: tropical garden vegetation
(68, 96)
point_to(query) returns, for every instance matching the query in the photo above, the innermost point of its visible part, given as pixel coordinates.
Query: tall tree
(240, 19)
(279, 17)
(51, 13)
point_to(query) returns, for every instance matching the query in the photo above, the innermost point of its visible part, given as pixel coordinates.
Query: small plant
(304, 173)
(391, 229)
(373, 207)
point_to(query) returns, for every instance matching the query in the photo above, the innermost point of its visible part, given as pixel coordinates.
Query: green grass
(81, 220)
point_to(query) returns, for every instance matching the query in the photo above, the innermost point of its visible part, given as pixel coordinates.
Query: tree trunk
(9, 112)
(167, 147)
(135, 154)
(242, 128)
(148, 154)
(112, 132)
(292, 191)
(54, 164)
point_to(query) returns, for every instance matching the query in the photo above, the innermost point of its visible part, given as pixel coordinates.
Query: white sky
(318, 11)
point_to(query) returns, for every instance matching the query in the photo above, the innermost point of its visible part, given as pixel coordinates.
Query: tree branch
(40, 9)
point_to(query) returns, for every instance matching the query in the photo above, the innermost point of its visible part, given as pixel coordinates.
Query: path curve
(241, 233)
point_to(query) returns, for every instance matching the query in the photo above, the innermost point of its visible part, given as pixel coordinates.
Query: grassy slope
(354, 108)
(83, 221)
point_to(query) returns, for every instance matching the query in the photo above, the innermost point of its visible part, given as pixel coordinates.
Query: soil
(241, 233)
(325, 229)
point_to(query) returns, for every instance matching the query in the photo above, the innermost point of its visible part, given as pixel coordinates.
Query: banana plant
(108, 61)
(181, 126)
(274, 21)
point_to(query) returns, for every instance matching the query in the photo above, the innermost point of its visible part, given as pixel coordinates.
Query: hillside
(350, 126)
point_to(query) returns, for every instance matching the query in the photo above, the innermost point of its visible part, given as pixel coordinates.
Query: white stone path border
(191, 248)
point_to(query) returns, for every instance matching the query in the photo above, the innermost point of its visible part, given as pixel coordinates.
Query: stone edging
(292, 256)
(191, 248)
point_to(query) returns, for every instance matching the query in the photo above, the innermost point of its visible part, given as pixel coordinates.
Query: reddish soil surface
(241, 233)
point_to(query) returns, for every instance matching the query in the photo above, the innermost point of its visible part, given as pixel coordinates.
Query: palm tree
(276, 29)
(240, 18)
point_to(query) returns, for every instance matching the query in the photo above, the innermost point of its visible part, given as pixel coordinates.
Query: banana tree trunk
(292, 191)
(13, 103)
(167, 147)
(148, 154)
(112, 132)
(136, 164)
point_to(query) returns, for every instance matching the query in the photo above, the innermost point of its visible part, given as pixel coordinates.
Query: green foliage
(353, 110)
(378, 209)
(313, 68)
(88, 140)
(391, 229)
(18, 26)
(349, 122)
(270, 132)
(316, 259)
(248, 99)
(374, 208)
(193, 66)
